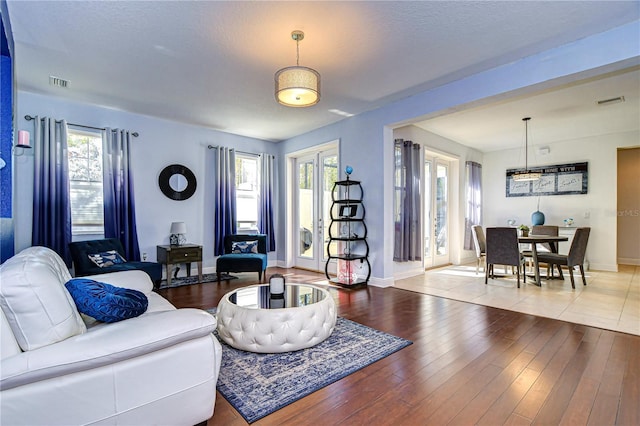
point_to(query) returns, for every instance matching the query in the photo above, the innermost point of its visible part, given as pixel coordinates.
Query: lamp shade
(297, 86)
(178, 228)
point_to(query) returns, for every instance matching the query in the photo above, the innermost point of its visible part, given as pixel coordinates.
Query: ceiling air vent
(611, 101)
(57, 81)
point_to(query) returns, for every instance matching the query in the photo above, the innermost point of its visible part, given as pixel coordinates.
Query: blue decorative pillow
(105, 302)
(238, 247)
(107, 258)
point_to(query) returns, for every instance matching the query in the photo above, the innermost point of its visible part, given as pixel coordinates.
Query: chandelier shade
(526, 175)
(297, 86)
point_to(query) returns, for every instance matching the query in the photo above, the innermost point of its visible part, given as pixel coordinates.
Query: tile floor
(611, 300)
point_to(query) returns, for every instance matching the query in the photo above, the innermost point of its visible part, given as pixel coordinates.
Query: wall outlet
(144, 257)
(587, 215)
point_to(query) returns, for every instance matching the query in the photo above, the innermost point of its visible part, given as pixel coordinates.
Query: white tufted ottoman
(248, 320)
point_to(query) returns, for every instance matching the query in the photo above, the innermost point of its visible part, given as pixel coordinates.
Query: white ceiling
(211, 63)
(564, 113)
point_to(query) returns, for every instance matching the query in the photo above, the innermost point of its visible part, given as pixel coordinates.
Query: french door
(315, 175)
(436, 219)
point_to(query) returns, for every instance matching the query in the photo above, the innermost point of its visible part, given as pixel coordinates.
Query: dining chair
(480, 244)
(503, 249)
(575, 257)
(551, 230)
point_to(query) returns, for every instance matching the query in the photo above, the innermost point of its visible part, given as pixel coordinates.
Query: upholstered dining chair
(575, 257)
(503, 249)
(551, 230)
(480, 244)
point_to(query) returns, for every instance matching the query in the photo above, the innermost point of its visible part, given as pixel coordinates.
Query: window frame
(92, 227)
(247, 226)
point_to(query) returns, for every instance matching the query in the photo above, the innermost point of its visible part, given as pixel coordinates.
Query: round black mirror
(177, 182)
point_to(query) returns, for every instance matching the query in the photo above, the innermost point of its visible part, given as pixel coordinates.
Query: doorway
(628, 200)
(314, 177)
(436, 210)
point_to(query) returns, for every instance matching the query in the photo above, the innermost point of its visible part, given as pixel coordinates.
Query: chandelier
(526, 174)
(297, 86)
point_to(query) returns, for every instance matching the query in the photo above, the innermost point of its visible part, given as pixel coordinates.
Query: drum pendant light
(297, 86)
(526, 174)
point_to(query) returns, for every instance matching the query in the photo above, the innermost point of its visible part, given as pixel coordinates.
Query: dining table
(534, 240)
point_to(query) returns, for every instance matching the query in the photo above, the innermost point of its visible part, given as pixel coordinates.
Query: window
(247, 192)
(85, 178)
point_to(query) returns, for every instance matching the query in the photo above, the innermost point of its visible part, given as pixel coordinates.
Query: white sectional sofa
(58, 367)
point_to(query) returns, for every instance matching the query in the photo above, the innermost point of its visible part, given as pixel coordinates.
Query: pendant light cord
(526, 144)
(297, 52)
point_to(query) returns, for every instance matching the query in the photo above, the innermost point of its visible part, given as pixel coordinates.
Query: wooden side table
(186, 253)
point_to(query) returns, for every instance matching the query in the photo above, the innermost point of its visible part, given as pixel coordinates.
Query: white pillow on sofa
(34, 300)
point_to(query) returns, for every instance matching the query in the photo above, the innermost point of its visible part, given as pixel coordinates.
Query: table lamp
(178, 231)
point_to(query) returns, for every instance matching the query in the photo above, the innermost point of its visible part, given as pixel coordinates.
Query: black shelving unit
(348, 236)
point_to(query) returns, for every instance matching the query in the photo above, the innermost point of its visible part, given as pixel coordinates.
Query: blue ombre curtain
(408, 201)
(473, 213)
(265, 213)
(51, 191)
(225, 196)
(119, 203)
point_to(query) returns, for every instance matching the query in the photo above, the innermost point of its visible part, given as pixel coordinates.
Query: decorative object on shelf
(276, 285)
(526, 174)
(348, 211)
(297, 86)
(524, 230)
(178, 231)
(348, 170)
(511, 222)
(568, 221)
(177, 182)
(537, 217)
(348, 234)
(347, 248)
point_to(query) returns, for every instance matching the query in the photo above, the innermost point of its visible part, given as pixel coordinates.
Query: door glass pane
(441, 210)
(329, 177)
(305, 207)
(427, 210)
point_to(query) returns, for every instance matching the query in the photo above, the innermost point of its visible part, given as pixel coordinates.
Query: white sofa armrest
(136, 280)
(106, 345)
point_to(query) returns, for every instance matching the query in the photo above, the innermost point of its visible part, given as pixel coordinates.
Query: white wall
(600, 202)
(160, 143)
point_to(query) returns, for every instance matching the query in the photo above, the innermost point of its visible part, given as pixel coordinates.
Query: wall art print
(560, 179)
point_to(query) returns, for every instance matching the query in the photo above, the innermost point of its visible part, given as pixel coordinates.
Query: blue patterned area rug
(259, 384)
(193, 279)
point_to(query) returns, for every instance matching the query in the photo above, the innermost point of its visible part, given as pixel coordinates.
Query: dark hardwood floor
(468, 364)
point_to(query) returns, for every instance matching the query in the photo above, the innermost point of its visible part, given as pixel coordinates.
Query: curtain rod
(241, 152)
(29, 118)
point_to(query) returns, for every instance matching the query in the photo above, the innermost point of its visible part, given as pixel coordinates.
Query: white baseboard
(381, 282)
(602, 267)
(628, 261)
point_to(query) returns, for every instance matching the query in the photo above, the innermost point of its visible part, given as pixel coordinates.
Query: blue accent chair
(83, 266)
(243, 262)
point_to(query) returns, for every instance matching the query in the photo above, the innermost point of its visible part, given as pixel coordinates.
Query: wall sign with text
(561, 179)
